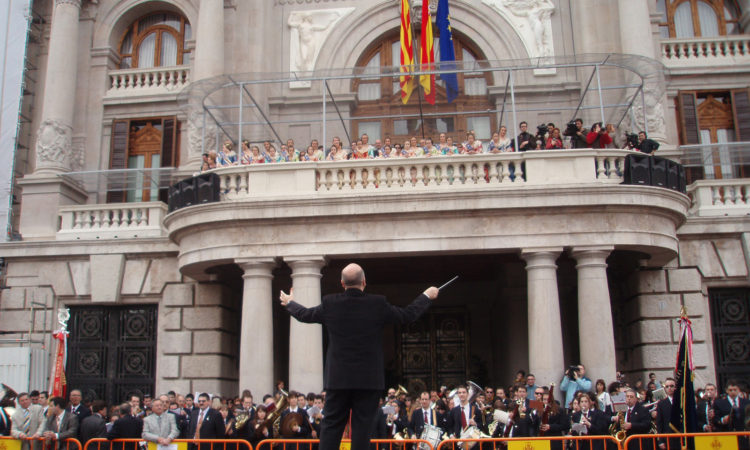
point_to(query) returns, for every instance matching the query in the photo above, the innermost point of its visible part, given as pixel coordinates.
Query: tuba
(274, 416)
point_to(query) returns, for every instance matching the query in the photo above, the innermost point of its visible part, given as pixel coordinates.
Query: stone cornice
(76, 3)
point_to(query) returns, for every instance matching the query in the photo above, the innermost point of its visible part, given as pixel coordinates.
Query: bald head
(353, 277)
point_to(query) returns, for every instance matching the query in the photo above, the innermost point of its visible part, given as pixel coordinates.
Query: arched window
(698, 18)
(381, 96)
(155, 40)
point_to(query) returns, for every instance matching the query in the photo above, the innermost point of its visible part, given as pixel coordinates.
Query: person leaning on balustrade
(94, 425)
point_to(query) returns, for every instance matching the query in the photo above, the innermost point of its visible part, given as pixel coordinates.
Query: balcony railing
(111, 221)
(701, 52)
(423, 174)
(711, 198)
(153, 81)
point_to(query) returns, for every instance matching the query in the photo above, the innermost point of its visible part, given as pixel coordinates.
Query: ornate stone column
(306, 340)
(256, 338)
(54, 137)
(43, 190)
(595, 330)
(208, 62)
(545, 328)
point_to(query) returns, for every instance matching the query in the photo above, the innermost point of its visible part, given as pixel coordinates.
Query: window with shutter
(689, 118)
(118, 155)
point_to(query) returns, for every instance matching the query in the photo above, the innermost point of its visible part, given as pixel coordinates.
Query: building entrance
(112, 351)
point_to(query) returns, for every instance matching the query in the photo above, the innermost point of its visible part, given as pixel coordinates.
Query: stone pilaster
(54, 138)
(595, 330)
(256, 335)
(545, 329)
(306, 340)
(744, 14)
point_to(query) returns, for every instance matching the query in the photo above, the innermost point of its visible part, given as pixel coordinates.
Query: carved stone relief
(54, 146)
(309, 29)
(531, 19)
(196, 136)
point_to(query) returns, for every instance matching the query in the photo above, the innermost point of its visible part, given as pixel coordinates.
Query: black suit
(5, 423)
(211, 428)
(600, 422)
(354, 371)
(93, 427)
(640, 420)
(82, 411)
(724, 408)
(663, 418)
(455, 424)
(702, 412)
(305, 431)
(416, 424)
(182, 423)
(559, 424)
(126, 427)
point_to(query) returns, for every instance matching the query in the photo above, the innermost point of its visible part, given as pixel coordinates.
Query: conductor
(354, 377)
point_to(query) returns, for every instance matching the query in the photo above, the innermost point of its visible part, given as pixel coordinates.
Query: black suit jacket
(212, 427)
(126, 427)
(702, 412)
(724, 408)
(305, 431)
(416, 423)
(92, 427)
(454, 419)
(640, 419)
(82, 412)
(599, 422)
(355, 321)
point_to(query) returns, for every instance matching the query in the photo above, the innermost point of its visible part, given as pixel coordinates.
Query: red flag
(59, 383)
(427, 55)
(407, 55)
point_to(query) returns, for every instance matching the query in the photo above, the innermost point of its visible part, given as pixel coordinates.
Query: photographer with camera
(577, 133)
(598, 137)
(646, 145)
(574, 380)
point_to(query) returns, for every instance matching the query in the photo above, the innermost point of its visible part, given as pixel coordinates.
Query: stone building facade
(557, 265)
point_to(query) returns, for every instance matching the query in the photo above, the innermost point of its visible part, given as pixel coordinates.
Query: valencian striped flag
(407, 53)
(684, 418)
(447, 52)
(427, 55)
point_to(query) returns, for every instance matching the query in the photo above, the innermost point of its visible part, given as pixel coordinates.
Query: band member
(664, 415)
(557, 422)
(595, 421)
(637, 420)
(423, 415)
(260, 430)
(521, 419)
(706, 408)
(464, 415)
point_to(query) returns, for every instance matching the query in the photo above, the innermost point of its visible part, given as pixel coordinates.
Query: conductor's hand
(432, 292)
(286, 298)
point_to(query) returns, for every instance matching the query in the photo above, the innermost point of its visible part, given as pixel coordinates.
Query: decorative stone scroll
(309, 29)
(54, 146)
(531, 19)
(196, 135)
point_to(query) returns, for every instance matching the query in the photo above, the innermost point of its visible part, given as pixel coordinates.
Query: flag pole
(415, 56)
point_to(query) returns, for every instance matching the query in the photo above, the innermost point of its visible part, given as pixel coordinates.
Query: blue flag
(684, 418)
(447, 53)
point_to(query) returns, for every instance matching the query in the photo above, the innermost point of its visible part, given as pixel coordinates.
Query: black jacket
(93, 427)
(455, 423)
(212, 426)
(355, 321)
(416, 424)
(126, 427)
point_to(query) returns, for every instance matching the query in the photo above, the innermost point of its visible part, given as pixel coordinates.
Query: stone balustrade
(701, 52)
(111, 221)
(711, 198)
(423, 174)
(153, 81)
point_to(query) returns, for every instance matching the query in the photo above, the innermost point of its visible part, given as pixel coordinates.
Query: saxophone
(620, 434)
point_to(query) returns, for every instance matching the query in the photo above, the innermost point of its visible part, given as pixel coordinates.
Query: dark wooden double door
(112, 351)
(730, 322)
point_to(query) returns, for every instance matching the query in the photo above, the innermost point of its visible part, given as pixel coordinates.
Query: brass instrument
(522, 414)
(241, 418)
(620, 434)
(401, 390)
(274, 416)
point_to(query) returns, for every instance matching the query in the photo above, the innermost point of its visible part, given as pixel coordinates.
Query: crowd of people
(547, 137)
(577, 406)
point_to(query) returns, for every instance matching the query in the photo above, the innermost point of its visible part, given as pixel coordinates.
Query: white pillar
(306, 340)
(595, 331)
(54, 137)
(635, 28)
(545, 328)
(209, 40)
(256, 336)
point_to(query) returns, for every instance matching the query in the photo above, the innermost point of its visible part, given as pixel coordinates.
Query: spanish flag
(407, 54)
(427, 56)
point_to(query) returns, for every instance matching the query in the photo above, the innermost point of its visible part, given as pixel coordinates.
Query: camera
(542, 130)
(571, 128)
(632, 140)
(572, 372)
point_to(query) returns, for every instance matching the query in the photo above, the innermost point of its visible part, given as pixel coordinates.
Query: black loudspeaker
(187, 192)
(637, 169)
(658, 172)
(207, 185)
(683, 179)
(174, 201)
(673, 175)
